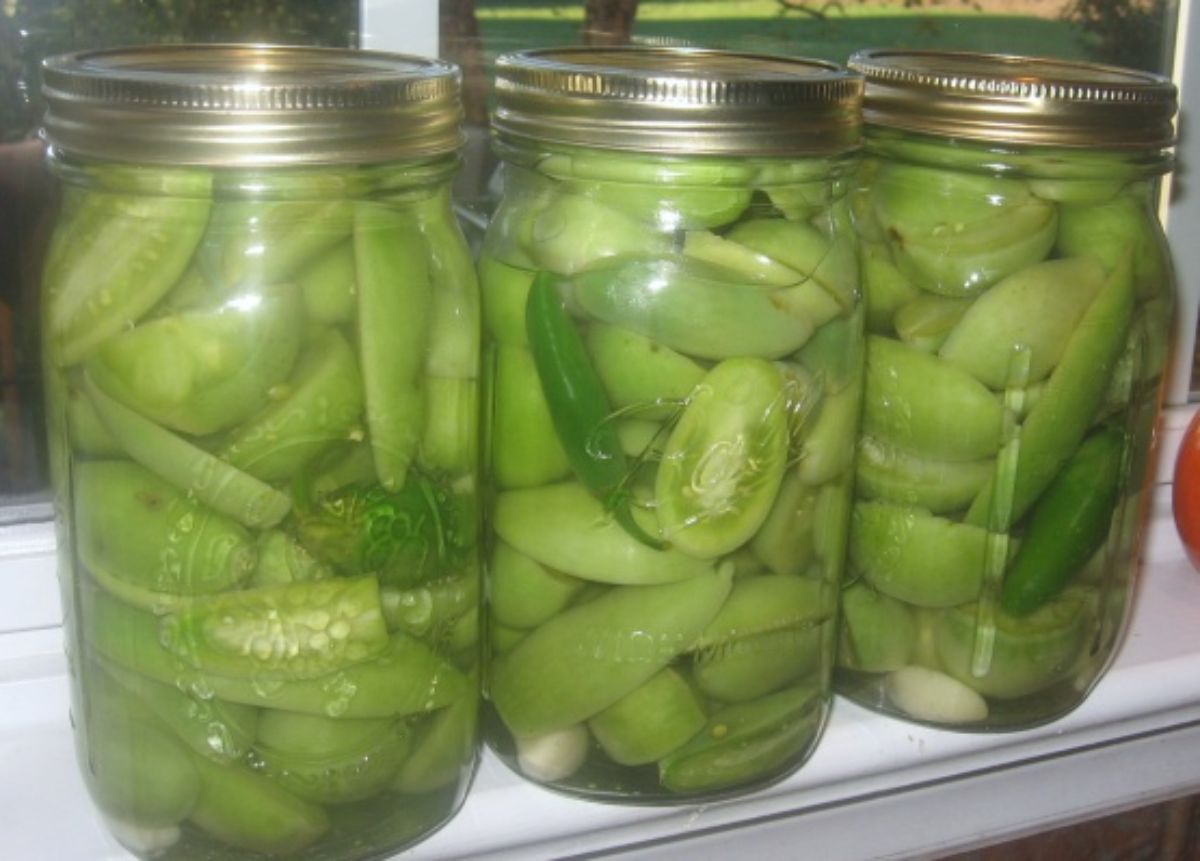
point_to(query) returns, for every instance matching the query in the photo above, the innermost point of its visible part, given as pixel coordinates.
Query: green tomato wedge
(927, 321)
(296, 631)
(650, 722)
(443, 749)
(745, 742)
(565, 528)
(917, 403)
(248, 810)
(784, 543)
(1030, 653)
(958, 233)
(504, 290)
(615, 166)
(191, 469)
(725, 459)
(572, 232)
(885, 288)
(742, 261)
(638, 372)
(331, 760)
(139, 773)
(750, 667)
(1063, 413)
(693, 307)
(1034, 310)
(522, 592)
(878, 633)
(887, 473)
(669, 207)
(220, 730)
(765, 604)
(142, 532)
(206, 370)
(916, 557)
(112, 261)
(526, 451)
(589, 657)
(1105, 230)
(322, 401)
(832, 263)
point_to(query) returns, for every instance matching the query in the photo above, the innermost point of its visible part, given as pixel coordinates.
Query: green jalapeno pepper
(1068, 523)
(579, 404)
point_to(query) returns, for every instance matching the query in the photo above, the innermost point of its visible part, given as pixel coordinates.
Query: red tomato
(1185, 492)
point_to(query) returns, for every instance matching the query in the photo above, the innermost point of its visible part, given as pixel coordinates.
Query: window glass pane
(29, 31)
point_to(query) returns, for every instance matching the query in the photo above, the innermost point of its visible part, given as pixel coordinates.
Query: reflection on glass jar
(1019, 295)
(674, 342)
(261, 348)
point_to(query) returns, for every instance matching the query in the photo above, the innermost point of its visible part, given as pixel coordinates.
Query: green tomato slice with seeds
(725, 459)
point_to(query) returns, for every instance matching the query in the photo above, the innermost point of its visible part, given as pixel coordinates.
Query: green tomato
(1105, 230)
(746, 741)
(1029, 653)
(650, 722)
(913, 556)
(589, 657)
(111, 261)
(928, 407)
(205, 370)
(694, 308)
(331, 760)
(1033, 311)
(957, 233)
(878, 633)
(139, 773)
(746, 668)
(725, 459)
(136, 529)
(322, 402)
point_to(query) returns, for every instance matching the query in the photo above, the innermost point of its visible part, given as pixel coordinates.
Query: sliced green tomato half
(725, 459)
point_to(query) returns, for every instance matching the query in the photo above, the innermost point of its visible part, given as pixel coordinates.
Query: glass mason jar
(261, 353)
(1019, 295)
(673, 339)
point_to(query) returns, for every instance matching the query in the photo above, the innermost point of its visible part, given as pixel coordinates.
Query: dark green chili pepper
(578, 403)
(1067, 525)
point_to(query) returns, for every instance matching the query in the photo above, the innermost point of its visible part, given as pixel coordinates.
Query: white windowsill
(875, 788)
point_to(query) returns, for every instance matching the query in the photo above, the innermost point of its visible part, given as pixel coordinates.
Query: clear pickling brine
(673, 342)
(260, 339)
(1019, 295)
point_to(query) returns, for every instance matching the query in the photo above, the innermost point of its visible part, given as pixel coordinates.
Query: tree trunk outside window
(608, 22)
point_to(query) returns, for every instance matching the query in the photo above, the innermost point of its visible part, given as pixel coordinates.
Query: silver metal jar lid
(1016, 100)
(677, 101)
(250, 105)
